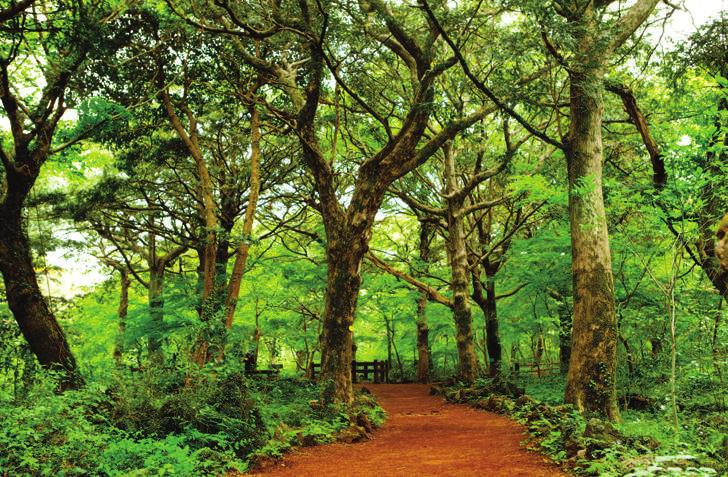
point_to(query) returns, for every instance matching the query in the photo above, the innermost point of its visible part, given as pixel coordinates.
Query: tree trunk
(630, 355)
(423, 345)
(592, 366)
(491, 326)
(423, 351)
(155, 294)
(457, 252)
(564, 343)
(342, 292)
(487, 303)
(124, 283)
(565, 322)
(35, 319)
(241, 257)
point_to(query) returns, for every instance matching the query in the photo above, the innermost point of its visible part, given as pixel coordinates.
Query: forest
(221, 220)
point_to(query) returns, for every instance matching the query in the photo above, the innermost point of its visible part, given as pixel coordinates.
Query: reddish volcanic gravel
(423, 436)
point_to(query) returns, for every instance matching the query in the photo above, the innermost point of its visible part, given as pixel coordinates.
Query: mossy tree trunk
(345, 253)
(458, 256)
(591, 384)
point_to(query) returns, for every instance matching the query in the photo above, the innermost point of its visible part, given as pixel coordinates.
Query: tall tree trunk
(241, 257)
(458, 255)
(124, 283)
(35, 319)
(591, 382)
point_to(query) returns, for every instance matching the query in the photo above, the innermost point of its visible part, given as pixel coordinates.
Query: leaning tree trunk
(35, 319)
(241, 257)
(592, 366)
(458, 255)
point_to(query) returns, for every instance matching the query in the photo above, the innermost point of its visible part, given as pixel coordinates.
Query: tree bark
(423, 345)
(591, 384)
(35, 319)
(458, 255)
(241, 257)
(565, 323)
(124, 283)
(493, 343)
(155, 295)
(342, 292)
(488, 304)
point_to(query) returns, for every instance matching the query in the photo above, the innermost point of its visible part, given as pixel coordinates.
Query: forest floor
(423, 436)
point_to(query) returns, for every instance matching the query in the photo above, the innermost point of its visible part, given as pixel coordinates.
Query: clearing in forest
(424, 436)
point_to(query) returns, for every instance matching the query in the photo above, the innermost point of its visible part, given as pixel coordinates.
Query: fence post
(376, 372)
(353, 372)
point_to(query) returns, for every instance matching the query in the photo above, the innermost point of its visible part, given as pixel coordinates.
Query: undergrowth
(643, 444)
(169, 422)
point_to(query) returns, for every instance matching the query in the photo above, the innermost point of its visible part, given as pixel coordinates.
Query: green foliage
(166, 423)
(642, 444)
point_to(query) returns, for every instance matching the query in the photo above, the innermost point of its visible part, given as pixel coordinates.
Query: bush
(168, 422)
(55, 435)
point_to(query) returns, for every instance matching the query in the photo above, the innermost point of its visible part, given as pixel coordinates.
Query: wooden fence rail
(537, 369)
(362, 369)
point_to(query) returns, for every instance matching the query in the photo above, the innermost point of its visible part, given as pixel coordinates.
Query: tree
(348, 227)
(592, 41)
(34, 120)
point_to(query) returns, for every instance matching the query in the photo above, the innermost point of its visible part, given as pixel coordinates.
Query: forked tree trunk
(35, 319)
(591, 383)
(124, 283)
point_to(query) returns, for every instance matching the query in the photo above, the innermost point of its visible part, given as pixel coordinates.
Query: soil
(423, 436)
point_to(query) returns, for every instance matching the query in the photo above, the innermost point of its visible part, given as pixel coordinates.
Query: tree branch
(481, 86)
(432, 293)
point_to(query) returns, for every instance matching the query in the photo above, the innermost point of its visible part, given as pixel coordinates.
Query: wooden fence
(379, 370)
(274, 370)
(537, 369)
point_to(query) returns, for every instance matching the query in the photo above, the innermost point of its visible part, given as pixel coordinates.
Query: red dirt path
(424, 436)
